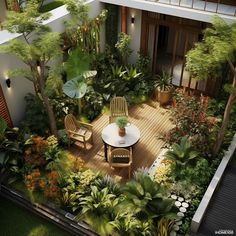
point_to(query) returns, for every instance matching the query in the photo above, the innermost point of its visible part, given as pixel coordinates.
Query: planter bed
(202, 208)
(205, 201)
(61, 218)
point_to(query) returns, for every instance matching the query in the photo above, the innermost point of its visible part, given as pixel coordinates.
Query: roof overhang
(166, 9)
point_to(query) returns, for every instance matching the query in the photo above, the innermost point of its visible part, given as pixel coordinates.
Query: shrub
(198, 174)
(93, 104)
(36, 118)
(182, 154)
(147, 199)
(34, 151)
(98, 209)
(190, 118)
(163, 173)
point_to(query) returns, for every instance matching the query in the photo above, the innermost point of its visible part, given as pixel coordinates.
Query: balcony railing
(225, 7)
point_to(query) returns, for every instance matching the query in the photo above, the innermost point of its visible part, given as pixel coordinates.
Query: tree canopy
(217, 47)
(39, 48)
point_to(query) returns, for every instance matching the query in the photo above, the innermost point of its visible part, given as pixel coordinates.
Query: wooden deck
(151, 119)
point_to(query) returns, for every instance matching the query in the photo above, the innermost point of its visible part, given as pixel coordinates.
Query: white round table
(111, 137)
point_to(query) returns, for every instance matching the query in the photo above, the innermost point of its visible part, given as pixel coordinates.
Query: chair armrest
(76, 133)
(86, 125)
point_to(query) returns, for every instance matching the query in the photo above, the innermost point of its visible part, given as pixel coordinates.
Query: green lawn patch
(50, 6)
(18, 221)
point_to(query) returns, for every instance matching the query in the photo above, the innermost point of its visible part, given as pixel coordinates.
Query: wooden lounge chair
(120, 157)
(78, 131)
(118, 107)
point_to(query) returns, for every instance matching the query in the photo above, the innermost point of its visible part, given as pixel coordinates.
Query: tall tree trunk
(51, 115)
(221, 133)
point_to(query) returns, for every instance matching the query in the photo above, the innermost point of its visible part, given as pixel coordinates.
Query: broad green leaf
(75, 88)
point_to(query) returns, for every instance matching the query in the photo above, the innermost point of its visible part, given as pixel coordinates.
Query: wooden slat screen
(4, 112)
(226, 2)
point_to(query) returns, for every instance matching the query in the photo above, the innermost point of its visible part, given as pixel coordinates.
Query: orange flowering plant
(33, 155)
(47, 184)
(52, 190)
(32, 179)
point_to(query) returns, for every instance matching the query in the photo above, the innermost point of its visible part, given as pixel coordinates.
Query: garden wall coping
(201, 210)
(61, 218)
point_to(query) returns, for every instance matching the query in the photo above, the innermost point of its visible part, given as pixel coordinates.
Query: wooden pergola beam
(124, 15)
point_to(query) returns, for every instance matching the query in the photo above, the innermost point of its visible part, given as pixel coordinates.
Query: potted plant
(164, 88)
(121, 122)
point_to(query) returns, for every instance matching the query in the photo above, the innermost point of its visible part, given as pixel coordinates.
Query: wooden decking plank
(151, 119)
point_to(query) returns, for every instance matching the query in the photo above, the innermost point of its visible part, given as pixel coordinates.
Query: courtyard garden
(71, 75)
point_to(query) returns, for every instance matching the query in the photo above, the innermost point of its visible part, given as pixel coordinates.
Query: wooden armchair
(78, 131)
(118, 107)
(120, 157)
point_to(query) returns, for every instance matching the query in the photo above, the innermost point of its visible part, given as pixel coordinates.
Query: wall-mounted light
(8, 83)
(132, 20)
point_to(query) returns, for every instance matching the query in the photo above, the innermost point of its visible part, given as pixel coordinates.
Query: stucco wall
(21, 86)
(134, 30)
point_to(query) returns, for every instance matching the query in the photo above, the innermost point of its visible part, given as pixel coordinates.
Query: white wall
(171, 10)
(134, 30)
(20, 86)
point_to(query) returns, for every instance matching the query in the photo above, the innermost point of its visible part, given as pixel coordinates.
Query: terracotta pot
(163, 96)
(122, 132)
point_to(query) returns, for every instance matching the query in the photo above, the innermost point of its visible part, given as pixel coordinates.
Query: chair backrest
(69, 122)
(120, 156)
(118, 107)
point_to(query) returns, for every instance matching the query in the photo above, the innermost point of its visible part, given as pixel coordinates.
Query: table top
(111, 137)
